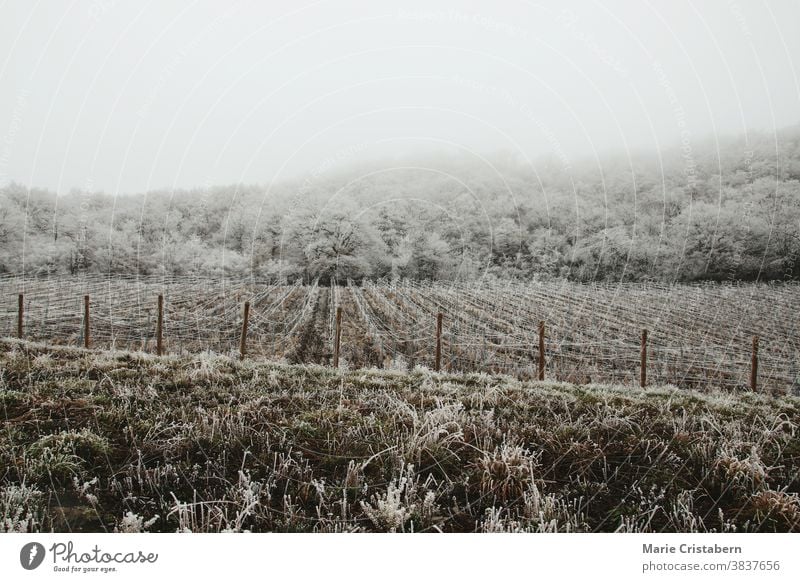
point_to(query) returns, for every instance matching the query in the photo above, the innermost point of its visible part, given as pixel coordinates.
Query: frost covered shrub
(405, 505)
(132, 523)
(21, 509)
(62, 456)
(508, 472)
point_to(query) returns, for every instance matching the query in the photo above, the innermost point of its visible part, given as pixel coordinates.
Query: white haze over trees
(731, 214)
(346, 139)
(128, 97)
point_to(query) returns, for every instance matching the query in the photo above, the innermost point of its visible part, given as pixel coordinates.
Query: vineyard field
(698, 335)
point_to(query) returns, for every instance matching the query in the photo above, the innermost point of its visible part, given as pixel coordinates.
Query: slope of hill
(728, 209)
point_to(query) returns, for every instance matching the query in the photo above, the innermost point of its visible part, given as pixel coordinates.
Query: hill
(727, 209)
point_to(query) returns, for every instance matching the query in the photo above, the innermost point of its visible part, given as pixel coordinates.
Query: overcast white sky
(130, 96)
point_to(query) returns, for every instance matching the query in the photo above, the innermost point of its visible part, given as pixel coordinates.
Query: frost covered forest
(724, 209)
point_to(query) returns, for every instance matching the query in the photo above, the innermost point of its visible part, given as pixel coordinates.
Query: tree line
(727, 210)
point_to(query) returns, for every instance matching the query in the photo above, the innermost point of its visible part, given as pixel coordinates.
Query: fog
(127, 97)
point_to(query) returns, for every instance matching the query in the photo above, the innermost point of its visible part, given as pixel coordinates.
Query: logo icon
(31, 555)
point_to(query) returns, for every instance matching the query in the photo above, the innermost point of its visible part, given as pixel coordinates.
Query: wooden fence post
(243, 341)
(160, 327)
(541, 350)
(754, 365)
(86, 340)
(438, 364)
(19, 316)
(337, 337)
(643, 357)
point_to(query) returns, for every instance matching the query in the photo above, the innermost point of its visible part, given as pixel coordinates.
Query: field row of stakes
(733, 336)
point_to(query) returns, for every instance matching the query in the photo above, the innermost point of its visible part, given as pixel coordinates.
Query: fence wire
(698, 335)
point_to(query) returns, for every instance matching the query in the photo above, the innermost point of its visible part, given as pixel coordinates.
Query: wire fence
(698, 335)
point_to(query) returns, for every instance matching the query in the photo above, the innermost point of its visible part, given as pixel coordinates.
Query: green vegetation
(124, 441)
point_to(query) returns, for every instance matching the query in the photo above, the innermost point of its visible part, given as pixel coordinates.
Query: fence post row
(541, 350)
(19, 316)
(243, 341)
(86, 341)
(438, 364)
(337, 337)
(643, 369)
(160, 326)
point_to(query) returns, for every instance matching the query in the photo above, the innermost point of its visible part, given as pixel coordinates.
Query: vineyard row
(731, 336)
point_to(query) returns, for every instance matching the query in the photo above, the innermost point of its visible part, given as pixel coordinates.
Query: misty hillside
(683, 214)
